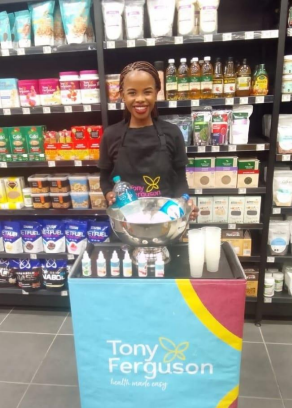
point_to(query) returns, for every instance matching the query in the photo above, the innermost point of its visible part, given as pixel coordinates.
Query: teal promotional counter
(167, 343)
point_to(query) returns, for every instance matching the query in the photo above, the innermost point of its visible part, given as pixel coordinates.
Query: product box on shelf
(5, 148)
(240, 241)
(204, 175)
(236, 210)
(220, 209)
(252, 210)
(80, 142)
(18, 144)
(9, 93)
(14, 196)
(35, 142)
(95, 134)
(226, 172)
(205, 205)
(248, 173)
(190, 173)
(252, 282)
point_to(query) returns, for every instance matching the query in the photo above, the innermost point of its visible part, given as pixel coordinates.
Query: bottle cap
(116, 179)
(141, 257)
(218, 59)
(244, 62)
(127, 256)
(101, 257)
(207, 58)
(115, 256)
(230, 59)
(186, 197)
(195, 59)
(171, 61)
(159, 65)
(86, 256)
(183, 60)
(159, 257)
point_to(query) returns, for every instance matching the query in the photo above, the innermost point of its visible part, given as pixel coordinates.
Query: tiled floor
(37, 363)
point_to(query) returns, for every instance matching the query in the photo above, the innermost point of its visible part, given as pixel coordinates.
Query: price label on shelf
(122, 105)
(68, 109)
(286, 157)
(243, 101)
(208, 38)
(242, 191)
(195, 102)
(5, 53)
(270, 259)
(227, 37)
(178, 40)
(199, 192)
(150, 42)
(201, 149)
(260, 147)
(229, 101)
(268, 299)
(232, 226)
(276, 211)
(51, 163)
(21, 51)
(64, 293)
(172, 104)
(286, 98)
(33, 256)
(77, 163)
(186, 149)
(249, 35)
(266, 34)
(86, 108)
(3, 165)
(232, 148)
(46, 109)
(26, 111)
(260, 99)
(110, 44)
(47, 49)
(111, 106)
(215, 148)
(70, 257)
(274, 33)
(6, 111)
(131, 43)
(25, 293)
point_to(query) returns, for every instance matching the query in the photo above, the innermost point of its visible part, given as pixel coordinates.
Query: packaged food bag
(23, 28)
(220, 127)
(53, 233)
(187, 17)
(7, 274)
(31, 234)
(42, 15)
(59, 33)
(54, 274)
(279, 234)
(28, 273)
(202, 126)
(76, 236)
(90, 36)
(5, 31)
(12, 237)
(240, 124)
(112, 11)
(282, 188)
(1, 239)
(161, 15)
(98, 232)
(14, 40)
(134, 19)
(75, 16)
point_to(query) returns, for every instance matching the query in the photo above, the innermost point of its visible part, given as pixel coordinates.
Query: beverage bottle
(261, 82)
(142, 265)
(253, 79)
(183, 86)
(207, 79)
(127, 266)
(229, 79)
(243, 82)
(159, 65)
(86, 265)
(171, 81)
(101, 265)
(195, 79)
(218, 79)
(125, 195)
(171, 210)
(159, 266)
(115, 265)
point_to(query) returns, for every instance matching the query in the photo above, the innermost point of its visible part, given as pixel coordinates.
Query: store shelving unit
(258, 33)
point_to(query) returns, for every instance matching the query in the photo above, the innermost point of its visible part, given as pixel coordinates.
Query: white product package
(134, 19)
(282, 188)
(112, 11)
(186, 17)
(161, 15)
(267, 122)
(240, 124)
(279, 234)
(208, 16)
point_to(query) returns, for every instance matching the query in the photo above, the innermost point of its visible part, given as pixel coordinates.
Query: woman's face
(139, 94)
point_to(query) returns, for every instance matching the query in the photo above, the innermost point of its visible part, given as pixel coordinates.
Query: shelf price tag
(68, 109)
(47, 49)
(122, 105)
(243, 101)
(77, 163)
(276, 211)
(26, 111)
(3, 165)
(286, 98)
(286, 157)
(131, 43)
(260, 147)
(46, 109)
(215, 148)
(21, 51)
(274, 33)
(249, 35)
(5, 53)
(51, 164)
(268, 299)
(150, 42)
(172, 104)
(199, 192)
(6, 111)
(232, 226)
(195, 102)
(110, 44)
(266, 34)
(178, 40)
(86, 108)
(270, 259)
(25, 293)
(70, 257)
(33, 256)
(242, 191)
(112, 106)
(232, 148)
(201, 149)
(229, 101)
(208, 38)
(260, 99)
(227, 37)
(64, 293)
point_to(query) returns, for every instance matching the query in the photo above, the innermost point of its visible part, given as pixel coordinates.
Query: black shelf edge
(52, 212)
(282, 210)
(195, 39)
(40, 50)
(45, 110)
(40, 255)
(283, 157)
(279, 297)
(230, 226)
(286, 98)
(249, 299)
(255, 258)
(289, 32)
(41, 292)
(250, 147)
(279, 258)
(227, 191)
(44, 164)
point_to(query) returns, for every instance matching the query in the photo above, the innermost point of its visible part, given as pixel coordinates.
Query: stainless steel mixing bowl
(141, 234)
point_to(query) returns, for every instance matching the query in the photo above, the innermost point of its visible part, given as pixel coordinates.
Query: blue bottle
(125, 195)
(171, 210)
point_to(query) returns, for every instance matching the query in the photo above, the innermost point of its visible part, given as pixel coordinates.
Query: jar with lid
(70, 88)
(287, 84)
(269, 290)
(89, 87)
(287, 65)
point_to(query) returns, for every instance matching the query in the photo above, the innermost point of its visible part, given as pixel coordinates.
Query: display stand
(162, 343)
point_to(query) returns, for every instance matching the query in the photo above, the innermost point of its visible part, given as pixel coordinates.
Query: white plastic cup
(213, 248)
(196, 252)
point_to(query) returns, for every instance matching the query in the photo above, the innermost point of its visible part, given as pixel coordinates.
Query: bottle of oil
(218, 79)
(243, 82)
(229, 79)
(195, 79)
(183, 80)
(253, 79)
(261, 83)
(171, 81)
(207, 79)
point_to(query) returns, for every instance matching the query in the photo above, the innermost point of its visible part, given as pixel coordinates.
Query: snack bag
(54, 274)
(75, 16)
(31, 233)
(220, 127)
(53, 233)
(23, 28)
(5, 31)
(59, 33)
(76, 238)
(202, 126)
(43, 22)
(112, 11)
(98, 232)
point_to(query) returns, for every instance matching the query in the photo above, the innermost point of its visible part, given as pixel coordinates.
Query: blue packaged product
(98, 232)
(31, 233)
(75, 16)
(12, 237)
(23, 28)
(76, 237)
(54, 274)
(42, 16)
(14, 40)
(53, 233)
(28, 273)
(1, 239)
(5, 31)
(7, 274)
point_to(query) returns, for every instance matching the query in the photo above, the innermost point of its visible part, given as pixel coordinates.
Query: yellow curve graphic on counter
(229, 398)
(207, 319)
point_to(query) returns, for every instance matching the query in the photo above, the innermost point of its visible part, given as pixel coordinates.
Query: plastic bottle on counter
(142, 265)
(159, 266)
(243, 82)
(125, 195)
(183, 86)
(159, 65)
(229, 79)
(127, 266)
(86, 265)
(195, 79)
(171, 81)
(218, 79)
(171, 210)
(207, 79)
(101, 265)
(115, 265)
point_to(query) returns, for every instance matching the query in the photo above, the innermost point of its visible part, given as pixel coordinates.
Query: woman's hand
(195, 210)
(110, 198)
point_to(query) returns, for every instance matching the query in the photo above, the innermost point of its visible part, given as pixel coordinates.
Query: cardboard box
(94, 134)
(205, 205)
(248, 173)
(5, 147)
(226, 172)
(246, 246)
(204, 176)
(220, 209)
(252, 209)
(236, 210)
(35, 139)
(18, 142)
(240, 241)
(252, 282)
(190, 173)
(80, 142)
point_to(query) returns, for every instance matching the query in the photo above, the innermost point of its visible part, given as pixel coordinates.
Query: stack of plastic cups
(212, 248)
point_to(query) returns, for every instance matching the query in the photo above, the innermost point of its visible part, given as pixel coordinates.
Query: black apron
(148, 170)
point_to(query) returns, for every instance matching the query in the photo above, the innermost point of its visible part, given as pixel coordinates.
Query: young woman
(143, 150)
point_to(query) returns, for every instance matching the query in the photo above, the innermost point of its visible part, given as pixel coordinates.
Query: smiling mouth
(141, 109)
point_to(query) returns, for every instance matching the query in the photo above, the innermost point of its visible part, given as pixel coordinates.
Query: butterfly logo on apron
(152, 184)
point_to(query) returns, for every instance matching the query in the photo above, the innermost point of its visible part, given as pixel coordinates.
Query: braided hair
(141, 66)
